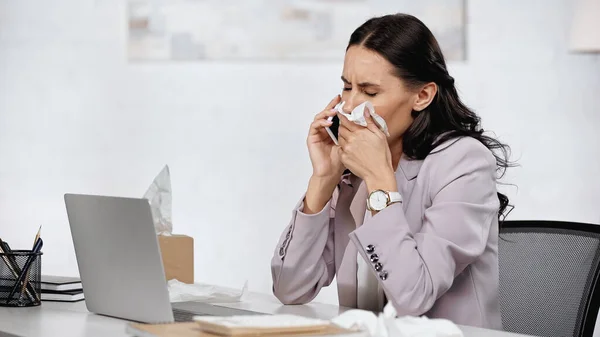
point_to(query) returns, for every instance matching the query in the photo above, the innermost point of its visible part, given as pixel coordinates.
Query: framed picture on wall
(300, 30)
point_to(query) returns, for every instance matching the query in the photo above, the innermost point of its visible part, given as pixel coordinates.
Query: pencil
(37, 236)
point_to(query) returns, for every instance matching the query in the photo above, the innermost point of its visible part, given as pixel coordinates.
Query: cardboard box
(178, 257)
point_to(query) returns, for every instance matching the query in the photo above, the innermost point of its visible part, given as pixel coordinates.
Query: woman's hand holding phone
(321, 148)
(325, 158)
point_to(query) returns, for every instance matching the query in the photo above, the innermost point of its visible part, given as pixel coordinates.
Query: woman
(416, 220)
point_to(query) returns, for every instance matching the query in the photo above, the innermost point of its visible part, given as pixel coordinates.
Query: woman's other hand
(365, 152)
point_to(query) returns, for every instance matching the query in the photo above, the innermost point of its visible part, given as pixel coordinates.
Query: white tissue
(183, 292)
(358, 115)
(387, 325)
(159, 195)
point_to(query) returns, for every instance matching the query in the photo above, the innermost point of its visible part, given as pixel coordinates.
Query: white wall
(75, 117)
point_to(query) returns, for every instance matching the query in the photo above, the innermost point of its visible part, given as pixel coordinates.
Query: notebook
(60, 283)
(192, 329)
(261, 325)
(63, 296)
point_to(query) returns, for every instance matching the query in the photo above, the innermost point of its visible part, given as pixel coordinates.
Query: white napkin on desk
(387, 325)
(183, 292)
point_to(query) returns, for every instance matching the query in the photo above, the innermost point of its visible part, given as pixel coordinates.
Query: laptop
(120, 264)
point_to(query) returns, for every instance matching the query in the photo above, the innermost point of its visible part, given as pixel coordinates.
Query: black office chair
(548, 277)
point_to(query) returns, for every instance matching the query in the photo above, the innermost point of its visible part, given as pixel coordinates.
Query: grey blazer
(435, 254)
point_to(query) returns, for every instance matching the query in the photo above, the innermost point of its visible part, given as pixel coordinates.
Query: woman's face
(367, 76)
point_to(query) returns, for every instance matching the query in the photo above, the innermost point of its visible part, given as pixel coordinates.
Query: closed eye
(366, 93)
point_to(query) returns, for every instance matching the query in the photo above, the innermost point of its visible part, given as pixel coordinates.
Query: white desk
(72, 319)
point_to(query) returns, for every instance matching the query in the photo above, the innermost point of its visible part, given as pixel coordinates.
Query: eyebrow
(362, 84)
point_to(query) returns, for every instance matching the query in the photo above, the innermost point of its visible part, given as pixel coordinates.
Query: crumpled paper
(160, 197)
(387, 325)
(183, 292)
(358, 115)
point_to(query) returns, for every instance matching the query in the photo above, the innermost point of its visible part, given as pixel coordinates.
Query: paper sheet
(160, 196)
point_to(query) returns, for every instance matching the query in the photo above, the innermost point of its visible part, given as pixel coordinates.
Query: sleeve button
(374, 258)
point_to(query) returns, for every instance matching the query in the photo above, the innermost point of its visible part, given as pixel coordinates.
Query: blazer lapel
(344, 224)
(409, 167)
(358, 206)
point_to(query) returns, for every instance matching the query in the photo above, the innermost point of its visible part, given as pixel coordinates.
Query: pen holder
(18, 287)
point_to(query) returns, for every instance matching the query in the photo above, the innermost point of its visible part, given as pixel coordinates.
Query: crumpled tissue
(387, 325)
(358, 115)
(183, 292)
(160, 196)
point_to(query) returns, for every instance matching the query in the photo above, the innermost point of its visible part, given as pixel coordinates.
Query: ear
(424, 96)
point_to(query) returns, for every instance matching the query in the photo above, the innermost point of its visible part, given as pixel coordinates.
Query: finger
(342, 140)
(325, 114)
(347, 132)
(344, 132)
(338, 150)
(333, 102)
(318, 125)
(371, 124)
(351, 126)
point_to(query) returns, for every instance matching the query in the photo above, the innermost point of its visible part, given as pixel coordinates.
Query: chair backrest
(548, 277)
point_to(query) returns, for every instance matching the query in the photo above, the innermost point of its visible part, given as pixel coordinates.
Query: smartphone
(333, 129)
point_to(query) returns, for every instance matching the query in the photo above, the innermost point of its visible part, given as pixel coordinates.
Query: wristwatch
(379, 199)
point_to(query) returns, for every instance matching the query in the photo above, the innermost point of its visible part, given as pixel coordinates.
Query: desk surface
(73, 319)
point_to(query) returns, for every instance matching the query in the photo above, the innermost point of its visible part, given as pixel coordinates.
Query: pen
(30, 259)
(14, 268)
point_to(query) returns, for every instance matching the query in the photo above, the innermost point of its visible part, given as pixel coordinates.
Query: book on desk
(61, 288)
(60, 283)
(63, 296)
(239, 326)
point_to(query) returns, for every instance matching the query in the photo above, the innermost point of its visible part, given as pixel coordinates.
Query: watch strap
(394, 197)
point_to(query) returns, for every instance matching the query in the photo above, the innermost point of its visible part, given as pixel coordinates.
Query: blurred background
(96, 96)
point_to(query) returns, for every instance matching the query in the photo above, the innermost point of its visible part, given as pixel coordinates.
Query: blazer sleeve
(303, 261)
(417, 268)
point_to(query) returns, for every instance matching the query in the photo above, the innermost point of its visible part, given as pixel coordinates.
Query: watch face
(378, 200)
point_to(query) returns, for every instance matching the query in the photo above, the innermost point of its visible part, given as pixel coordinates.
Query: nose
(351, 102)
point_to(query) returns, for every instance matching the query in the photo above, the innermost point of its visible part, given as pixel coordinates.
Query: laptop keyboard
(184, 315)
(185, 311)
